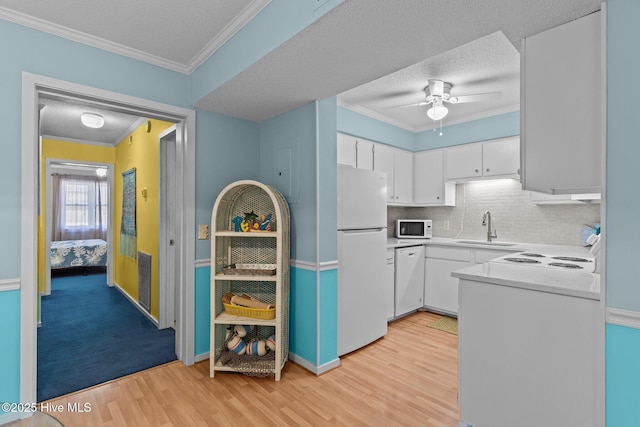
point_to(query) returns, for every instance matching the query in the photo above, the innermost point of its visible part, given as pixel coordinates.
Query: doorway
(33, 87)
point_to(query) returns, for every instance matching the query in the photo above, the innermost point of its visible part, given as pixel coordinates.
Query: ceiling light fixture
(101, 171)
(92, 120)
(437, 111)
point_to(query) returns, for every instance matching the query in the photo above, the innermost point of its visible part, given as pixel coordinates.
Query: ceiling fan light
(92, 120)
(437, 112)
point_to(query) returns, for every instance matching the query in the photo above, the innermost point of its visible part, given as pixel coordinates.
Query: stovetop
(534, 259)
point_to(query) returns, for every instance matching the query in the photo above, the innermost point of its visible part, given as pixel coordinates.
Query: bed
(78, 253)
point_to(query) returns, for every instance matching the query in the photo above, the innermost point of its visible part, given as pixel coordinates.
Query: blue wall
(500, 126)
(226, 152)
(623, 204)
(9, 350)
(623, 376)
(357, 124)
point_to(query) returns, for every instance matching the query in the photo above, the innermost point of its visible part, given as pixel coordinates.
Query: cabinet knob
(438, 197)
(477, 171)
(487, 169)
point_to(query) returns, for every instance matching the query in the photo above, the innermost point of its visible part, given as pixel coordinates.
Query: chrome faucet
(486, 220)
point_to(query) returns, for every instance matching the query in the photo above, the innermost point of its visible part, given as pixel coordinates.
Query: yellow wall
(139, 150)
(53, 149)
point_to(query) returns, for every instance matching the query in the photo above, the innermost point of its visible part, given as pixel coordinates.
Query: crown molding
(232, 28)
(247, 14)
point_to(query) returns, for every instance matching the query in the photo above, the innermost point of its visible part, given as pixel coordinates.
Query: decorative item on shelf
(246, 306)
(251, 222)
(236, 345)
(257, 348)
(242, 330)
(250, 269)
(271, 342)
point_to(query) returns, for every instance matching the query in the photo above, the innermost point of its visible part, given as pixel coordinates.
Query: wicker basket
(255, 313)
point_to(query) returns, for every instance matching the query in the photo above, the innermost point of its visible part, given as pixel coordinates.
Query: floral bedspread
(78, 253)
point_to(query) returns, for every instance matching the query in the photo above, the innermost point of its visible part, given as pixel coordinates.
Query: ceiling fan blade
(415, 104)
(478, 97)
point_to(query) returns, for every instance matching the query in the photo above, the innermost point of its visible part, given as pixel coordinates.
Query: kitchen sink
(484, 242)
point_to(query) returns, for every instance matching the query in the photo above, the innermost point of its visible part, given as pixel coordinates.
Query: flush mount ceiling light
(437, 111)
(101, 171)
(92, 120)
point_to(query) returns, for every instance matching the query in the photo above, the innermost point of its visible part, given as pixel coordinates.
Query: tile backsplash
(513, 215)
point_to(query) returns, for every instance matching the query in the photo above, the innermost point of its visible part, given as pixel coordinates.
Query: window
(81, 210)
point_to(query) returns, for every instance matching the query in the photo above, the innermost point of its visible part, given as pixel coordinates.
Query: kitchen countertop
(570, 283)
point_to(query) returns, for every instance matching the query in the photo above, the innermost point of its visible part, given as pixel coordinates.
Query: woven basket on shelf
(255, 313)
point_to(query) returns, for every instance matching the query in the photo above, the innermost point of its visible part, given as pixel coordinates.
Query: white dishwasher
(409, 279)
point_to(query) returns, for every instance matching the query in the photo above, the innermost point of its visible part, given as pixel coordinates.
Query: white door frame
(167, 236)
(32, 86)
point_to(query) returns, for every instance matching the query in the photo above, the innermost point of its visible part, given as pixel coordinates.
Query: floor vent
(144, 280)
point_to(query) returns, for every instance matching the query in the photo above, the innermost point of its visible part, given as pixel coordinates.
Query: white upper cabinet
(346, 150)
(430, 188)
(403, 177)
(464, 161)
(561, 108)
(355, 152)
(383, 162)
(501, 157)
(490, 159)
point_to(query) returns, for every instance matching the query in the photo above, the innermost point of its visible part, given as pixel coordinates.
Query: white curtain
(80, 207)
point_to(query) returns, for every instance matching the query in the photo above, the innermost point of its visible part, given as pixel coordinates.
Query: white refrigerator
(362, 254)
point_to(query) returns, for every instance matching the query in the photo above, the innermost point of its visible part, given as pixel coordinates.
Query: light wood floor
(407, 378)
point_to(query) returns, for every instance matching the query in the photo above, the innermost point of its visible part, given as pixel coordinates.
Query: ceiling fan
(438, 92)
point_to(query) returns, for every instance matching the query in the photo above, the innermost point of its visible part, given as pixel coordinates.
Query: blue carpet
(91, 334)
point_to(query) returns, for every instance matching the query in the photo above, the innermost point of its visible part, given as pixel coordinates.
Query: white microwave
(413, 229)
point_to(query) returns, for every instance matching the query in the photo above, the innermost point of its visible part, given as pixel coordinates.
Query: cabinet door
(440, 289)
(428, 177)
(383, 162)
(561, 135)
(403, 176)
(364, 154)
(346, 150)
(464, 161)
(390, 283)
(409, 279)
(501, 157)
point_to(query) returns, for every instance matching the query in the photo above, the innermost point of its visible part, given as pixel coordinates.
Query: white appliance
(409, 279)
(559, 262)
(413, 229)
(362, 250)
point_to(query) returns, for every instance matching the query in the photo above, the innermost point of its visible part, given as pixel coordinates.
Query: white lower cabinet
(535, 354)
(409, 281)
(390, 280)
(440, 289)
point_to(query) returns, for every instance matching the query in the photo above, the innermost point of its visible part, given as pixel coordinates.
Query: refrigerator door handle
(363, 230)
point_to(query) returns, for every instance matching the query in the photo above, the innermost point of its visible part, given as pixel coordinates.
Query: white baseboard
(201, 357)
(318, 370)
(137, 305)
(628, 318)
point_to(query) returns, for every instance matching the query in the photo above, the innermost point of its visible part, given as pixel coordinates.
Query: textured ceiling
(363, 40)
(176, 34)
(60, 119)
(352, 52)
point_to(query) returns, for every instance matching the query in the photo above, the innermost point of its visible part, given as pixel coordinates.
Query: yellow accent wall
(54, 149)
(139, 150)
